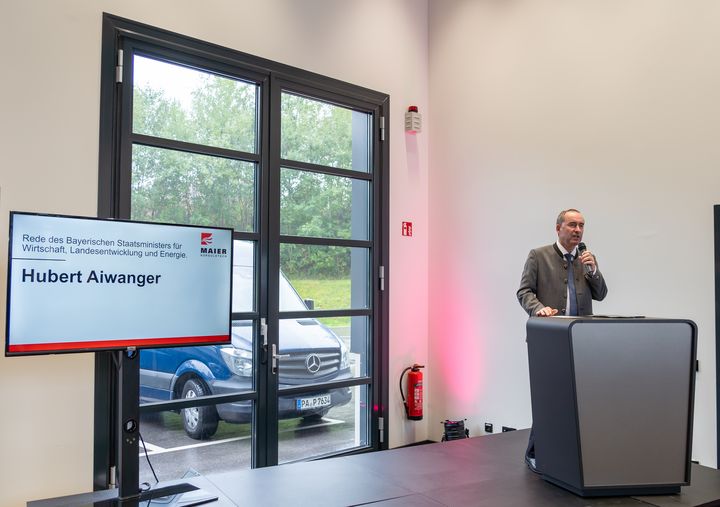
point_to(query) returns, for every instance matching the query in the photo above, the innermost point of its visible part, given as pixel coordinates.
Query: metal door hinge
(263, 330)
(382, 277)
(381, 429)
(263, 335)
(382, 128)
(119, 67)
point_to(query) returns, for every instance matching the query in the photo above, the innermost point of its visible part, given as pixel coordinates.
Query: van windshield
(243, 286)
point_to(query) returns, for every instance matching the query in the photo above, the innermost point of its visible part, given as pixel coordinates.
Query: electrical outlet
(508, 428)
(488, 428)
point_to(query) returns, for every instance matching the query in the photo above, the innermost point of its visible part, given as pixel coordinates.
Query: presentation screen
(80, 284)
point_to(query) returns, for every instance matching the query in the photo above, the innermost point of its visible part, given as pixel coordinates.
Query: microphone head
(581, 247)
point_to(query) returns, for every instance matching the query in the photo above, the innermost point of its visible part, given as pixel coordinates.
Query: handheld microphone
(581, 249)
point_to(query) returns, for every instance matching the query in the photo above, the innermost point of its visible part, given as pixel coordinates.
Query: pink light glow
(456, 326)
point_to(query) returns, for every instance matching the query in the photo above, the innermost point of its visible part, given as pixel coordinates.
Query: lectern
(612, 403)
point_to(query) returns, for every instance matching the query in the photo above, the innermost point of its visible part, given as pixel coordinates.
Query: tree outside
(181, 187)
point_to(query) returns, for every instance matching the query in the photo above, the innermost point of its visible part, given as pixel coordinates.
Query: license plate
(314, 402)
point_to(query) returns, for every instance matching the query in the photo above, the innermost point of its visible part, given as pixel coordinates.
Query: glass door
(195, 159)
(323, 297)
(192, 133)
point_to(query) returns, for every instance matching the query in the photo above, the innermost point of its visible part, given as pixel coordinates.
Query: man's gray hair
(561, 216)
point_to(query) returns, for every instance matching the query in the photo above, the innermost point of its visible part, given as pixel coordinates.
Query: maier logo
(206, 250)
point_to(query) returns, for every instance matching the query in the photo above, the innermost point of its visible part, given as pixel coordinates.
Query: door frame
(111, 179)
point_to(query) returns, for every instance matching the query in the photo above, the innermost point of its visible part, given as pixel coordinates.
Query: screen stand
(127, 423)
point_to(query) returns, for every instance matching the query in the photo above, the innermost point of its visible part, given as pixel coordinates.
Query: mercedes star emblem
(312, 363)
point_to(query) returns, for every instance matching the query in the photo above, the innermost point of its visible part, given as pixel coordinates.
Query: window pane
(183, 104)
(243, 290)
(192, 372)
(175, 455)
(323, 277)
(354, 333)
(311, 353)
(323, 206)
(324, 430)
(322, 350)
(321, 133)
(184, 188)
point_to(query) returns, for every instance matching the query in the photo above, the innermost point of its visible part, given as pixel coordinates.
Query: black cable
(148, 458)
(115, 360)
(145, 486)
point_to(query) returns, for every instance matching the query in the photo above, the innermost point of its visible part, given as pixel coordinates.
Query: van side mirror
(309, 304)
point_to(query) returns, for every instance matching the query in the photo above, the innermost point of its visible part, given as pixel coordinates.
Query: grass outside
(328, 295)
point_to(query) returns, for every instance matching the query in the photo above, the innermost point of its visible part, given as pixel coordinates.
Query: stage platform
(486, 471)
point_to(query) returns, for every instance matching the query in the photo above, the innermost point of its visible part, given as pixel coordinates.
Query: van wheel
(200, 423)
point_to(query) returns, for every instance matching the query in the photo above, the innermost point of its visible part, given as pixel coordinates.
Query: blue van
(309, 353)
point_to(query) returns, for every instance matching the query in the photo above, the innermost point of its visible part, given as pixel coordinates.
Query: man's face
(570, 232)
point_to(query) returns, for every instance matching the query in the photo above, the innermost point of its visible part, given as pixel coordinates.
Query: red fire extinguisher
(414, 402)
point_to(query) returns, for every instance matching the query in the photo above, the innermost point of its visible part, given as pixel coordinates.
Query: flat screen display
(79, 284)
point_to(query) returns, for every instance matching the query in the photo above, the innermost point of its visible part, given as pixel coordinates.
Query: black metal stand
(128, 442)
(127, 424)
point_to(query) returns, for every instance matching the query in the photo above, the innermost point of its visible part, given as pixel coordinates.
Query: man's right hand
(546, 312)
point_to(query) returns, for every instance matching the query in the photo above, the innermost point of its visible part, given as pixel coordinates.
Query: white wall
(49, 98)
(620, 95)
(609, 107)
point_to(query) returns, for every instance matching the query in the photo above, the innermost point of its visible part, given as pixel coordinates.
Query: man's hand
(546, 312)
(588, 259)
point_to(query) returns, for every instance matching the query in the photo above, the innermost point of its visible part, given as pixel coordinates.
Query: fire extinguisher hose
(402, 394)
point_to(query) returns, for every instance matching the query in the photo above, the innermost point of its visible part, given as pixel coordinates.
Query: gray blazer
(544, 283)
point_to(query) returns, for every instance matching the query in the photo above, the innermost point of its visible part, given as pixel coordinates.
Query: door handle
(275, 357)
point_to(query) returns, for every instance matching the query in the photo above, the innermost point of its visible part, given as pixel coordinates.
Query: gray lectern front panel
(633, 392)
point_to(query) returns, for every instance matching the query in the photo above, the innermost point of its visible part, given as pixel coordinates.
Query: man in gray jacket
(545, 288)
(560, 279)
